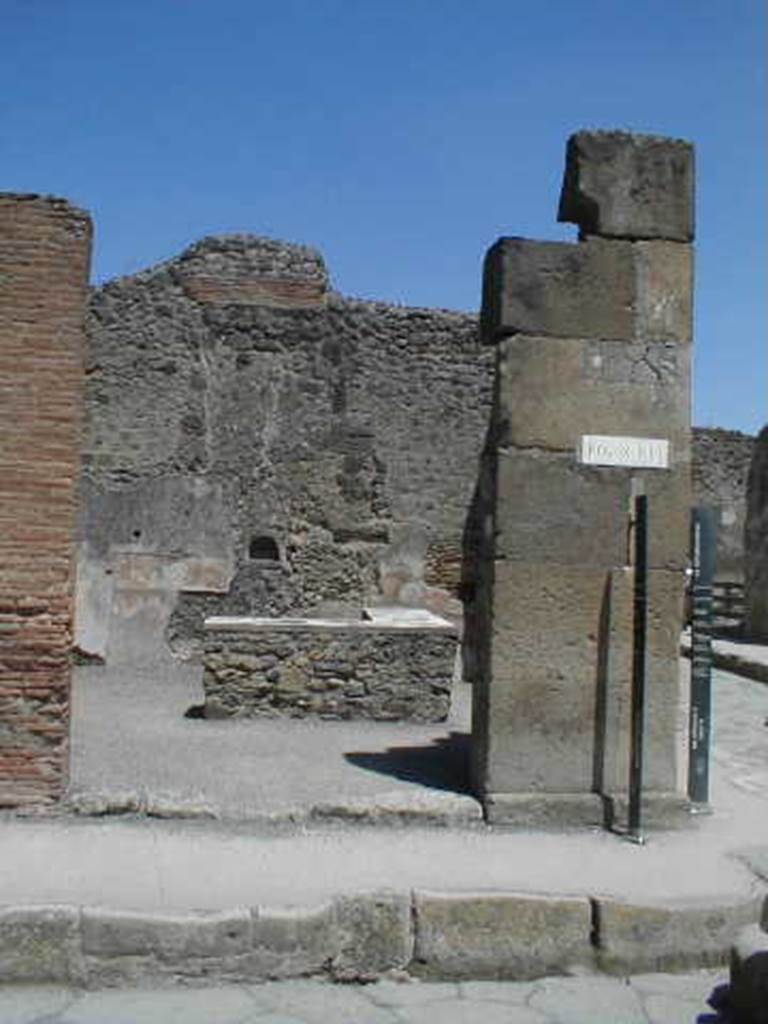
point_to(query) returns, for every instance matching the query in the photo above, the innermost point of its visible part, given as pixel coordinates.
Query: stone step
(369, 935)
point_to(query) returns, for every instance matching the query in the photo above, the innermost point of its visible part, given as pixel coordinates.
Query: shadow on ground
(720, 1001)
(442, 764)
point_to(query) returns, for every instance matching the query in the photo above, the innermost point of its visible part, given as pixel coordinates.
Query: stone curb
(368, 935)
(393, 810)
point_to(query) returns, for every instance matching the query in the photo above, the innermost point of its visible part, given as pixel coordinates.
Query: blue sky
(402, 137)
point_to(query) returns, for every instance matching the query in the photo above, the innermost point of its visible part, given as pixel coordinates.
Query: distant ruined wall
(756, 541)
(720, 465)
(258, 444)
(44, 260)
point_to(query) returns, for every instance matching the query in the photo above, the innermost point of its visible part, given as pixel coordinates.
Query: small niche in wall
(263, 549)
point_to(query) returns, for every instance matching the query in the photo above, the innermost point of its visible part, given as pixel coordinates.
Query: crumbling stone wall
(44, 260)
(233, 397)
(235, 401)
(756, 541)
(720, 462)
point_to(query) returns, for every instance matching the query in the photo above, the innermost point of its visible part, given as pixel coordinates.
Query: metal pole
(704, 551)
(638, 666)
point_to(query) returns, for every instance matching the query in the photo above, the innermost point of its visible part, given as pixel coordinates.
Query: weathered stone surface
(674, 936)
(117, 933)
(554, 722)
(629, 186)
(39, 944)
(500, 935)
(544, 812)
(591, 339)
(563, 513)
(597, 289)
(124, 947)
(748, 993)
(328, 669)
(664, 290)
(347, 433)
(374, 935)
(559, 289)
(720, 461)
(292, 941)
(604, 387)
(756, 541)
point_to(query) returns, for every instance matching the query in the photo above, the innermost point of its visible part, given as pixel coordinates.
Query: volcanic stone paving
(696, 998)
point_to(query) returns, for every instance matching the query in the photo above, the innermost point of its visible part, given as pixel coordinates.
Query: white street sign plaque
(632, 452)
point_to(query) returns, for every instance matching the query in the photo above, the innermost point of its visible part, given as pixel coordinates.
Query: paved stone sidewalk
(642, 999)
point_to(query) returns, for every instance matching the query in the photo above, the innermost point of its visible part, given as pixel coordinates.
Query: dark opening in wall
(263, 549)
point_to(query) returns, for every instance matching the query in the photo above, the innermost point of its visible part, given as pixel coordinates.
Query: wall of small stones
(232, 395)
(340, 671)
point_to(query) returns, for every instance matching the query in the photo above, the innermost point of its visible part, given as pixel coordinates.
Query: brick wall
(44, 261)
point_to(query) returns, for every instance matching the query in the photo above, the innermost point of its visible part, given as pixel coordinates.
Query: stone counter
(390, 665)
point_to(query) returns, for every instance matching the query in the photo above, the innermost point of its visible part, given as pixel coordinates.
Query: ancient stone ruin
(592, 348)
(391, 664)
(257, 446)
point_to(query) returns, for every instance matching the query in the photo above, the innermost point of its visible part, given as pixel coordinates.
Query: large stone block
(500, 935)
(677, 935)
(292, 942)
(553, 706)
(117, 933)
(597, 289)
(553, 510)
(665, 720)
(603, 387)
(559, 289)
(629, 186)
(664, 287)
(374, 935)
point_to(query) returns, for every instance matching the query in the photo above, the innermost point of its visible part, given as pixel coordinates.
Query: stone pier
(44, 260)
(592, 343)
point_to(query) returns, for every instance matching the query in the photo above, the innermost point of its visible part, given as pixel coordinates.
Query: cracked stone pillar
(592, 403)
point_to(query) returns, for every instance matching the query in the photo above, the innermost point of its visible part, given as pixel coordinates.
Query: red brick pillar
(44, 260)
